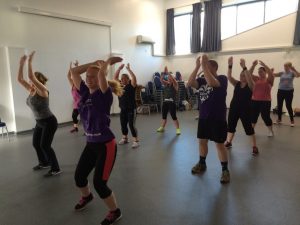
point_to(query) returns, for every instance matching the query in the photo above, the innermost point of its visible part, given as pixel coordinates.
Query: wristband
(245, 68)
(229, 66)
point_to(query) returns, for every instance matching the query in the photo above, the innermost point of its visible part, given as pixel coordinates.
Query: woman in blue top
(101, 149)
(286, 90)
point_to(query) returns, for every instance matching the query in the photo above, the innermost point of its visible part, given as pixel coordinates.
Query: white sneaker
(271, 134)
(292, 124)
(123, 141)
(135, 144)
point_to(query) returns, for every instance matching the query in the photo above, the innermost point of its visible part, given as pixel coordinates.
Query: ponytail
(116, 87)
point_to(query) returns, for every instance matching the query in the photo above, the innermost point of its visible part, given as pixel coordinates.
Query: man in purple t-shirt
(212, 118)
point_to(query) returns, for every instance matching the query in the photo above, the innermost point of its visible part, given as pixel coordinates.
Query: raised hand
(30, 57)
(23, 59)
(230, 61)
(121, 66)
(128, 66)
(242, 63)
(113, 60)
(204, 60)
(255, 62)
(76, 63)
(198, 61)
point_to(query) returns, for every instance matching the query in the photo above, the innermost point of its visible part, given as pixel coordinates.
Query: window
(278, 8)
(228, 22)
(182, 26)
(250, 16)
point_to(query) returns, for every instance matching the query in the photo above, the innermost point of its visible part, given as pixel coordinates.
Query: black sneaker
(83, 202)
(52, 173)
(41, 167)
(111, 217)
(227, 144)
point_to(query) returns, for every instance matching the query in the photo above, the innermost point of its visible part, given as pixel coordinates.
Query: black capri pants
(128, 116)
(169, 106)
(100, 156)
(288, 97)
(75, 114)
(263, 108)
(244, 115)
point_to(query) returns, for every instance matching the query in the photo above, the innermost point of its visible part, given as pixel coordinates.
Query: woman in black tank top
(240, 106)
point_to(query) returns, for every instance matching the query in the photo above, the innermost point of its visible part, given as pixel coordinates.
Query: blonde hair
(41, 77)
(289, 64)
(115, 87)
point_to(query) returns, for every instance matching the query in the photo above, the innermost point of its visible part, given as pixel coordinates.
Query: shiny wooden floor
(154, 185)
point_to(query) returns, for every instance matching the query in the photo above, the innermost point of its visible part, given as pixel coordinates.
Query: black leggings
(263, 108)
(100, 156)
(42, 139)
(128, 116)
(288, 97)
(169, 106)
(245, 116)
(75, 114)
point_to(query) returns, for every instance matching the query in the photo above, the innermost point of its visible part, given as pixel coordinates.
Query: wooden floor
(154, 185)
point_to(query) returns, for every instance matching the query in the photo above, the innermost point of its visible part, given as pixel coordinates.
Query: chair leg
(6, 132)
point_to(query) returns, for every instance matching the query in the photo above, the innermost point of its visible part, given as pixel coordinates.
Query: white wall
(129, 18)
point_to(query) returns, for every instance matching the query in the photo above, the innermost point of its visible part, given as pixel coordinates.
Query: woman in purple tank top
(101, 149)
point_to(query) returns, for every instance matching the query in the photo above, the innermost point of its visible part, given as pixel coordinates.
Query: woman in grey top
(46, 123)
(286, 90)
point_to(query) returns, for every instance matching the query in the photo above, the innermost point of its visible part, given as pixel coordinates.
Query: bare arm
(70, 75)
(173, 81)
(254, 64)
(40, 88)
(103, 84)
(269, 71)
(229, 72)
(209, 77)
(296, 73)
(21, 80)
(277, 74)
(117, 73)
(77, 71)
(192, 82)
(248, 76)
(132, 75)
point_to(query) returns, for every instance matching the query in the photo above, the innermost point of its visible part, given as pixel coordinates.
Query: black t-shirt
(241, 99)
(127, 100)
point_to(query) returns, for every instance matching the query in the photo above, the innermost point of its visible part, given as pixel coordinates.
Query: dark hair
(41, 77)
(126, 75)
(213, 63)
(263, 68)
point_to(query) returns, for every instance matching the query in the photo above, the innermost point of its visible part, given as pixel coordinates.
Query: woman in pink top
(261, 95)
(76, 99)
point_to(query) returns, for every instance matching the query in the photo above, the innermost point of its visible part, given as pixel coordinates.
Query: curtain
(297, 27)
(212, 26)
(196, 28)
(170, 45)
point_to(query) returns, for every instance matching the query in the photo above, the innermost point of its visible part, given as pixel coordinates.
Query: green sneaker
(198, 168)
(160, 129)
(178, 132)
(225, 177)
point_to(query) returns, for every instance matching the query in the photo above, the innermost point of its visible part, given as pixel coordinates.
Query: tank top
(261, 90)
(39, 106)
(76, 97)
(169, 93)
(241, 97)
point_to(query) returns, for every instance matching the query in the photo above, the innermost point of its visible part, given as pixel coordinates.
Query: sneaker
(83, 202)
(75, 129)
(178, 132)
(198, 168)
(111, 217)
(160, 129)
(227, 144)
(255, 151)
(52, 173)
(278, 122)
(292, 124)
(271, 134)
(41, 167)
(225, 177)
(123, 141)
(135, 144)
